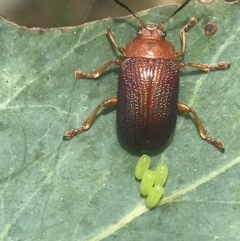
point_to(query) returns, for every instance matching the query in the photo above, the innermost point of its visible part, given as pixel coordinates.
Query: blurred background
(58, 13)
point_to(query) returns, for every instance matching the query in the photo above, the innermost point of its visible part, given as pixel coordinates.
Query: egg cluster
(152, 181)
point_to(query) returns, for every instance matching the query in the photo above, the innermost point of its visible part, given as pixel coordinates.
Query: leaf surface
(85, 189)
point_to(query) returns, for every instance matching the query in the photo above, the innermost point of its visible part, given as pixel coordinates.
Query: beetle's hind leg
(87, 124)
(202, 131)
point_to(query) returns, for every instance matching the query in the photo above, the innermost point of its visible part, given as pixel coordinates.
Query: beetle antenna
(179, 9)
(130, 11)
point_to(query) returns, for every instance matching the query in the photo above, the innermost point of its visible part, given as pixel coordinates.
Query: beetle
(148, 85)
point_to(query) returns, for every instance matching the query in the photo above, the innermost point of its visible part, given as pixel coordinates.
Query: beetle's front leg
(184, 30)
(87, 124)
(95, 74)
(202, 131)
(112, 39)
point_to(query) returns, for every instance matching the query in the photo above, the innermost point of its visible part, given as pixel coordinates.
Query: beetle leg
(87, 124)
(95, 74)
(112, 39)
(205, 67)
(184, 30)
(202, 131)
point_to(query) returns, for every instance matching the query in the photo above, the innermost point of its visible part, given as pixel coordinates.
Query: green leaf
(84, 189)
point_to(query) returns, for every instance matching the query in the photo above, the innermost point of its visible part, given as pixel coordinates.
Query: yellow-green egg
(142, 166)
(161, 174)
(147, 182)
(154, 195)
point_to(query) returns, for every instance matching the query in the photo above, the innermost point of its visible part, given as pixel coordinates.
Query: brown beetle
(148, 86)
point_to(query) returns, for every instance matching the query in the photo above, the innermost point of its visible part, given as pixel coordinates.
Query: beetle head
(151, 31)
(150, 41)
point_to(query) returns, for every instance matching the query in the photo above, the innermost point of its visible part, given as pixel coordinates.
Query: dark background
(57, 13)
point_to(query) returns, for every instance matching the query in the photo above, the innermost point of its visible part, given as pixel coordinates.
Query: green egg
(147, 182)
(154, 195)
(161, 174)
(142, 166)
